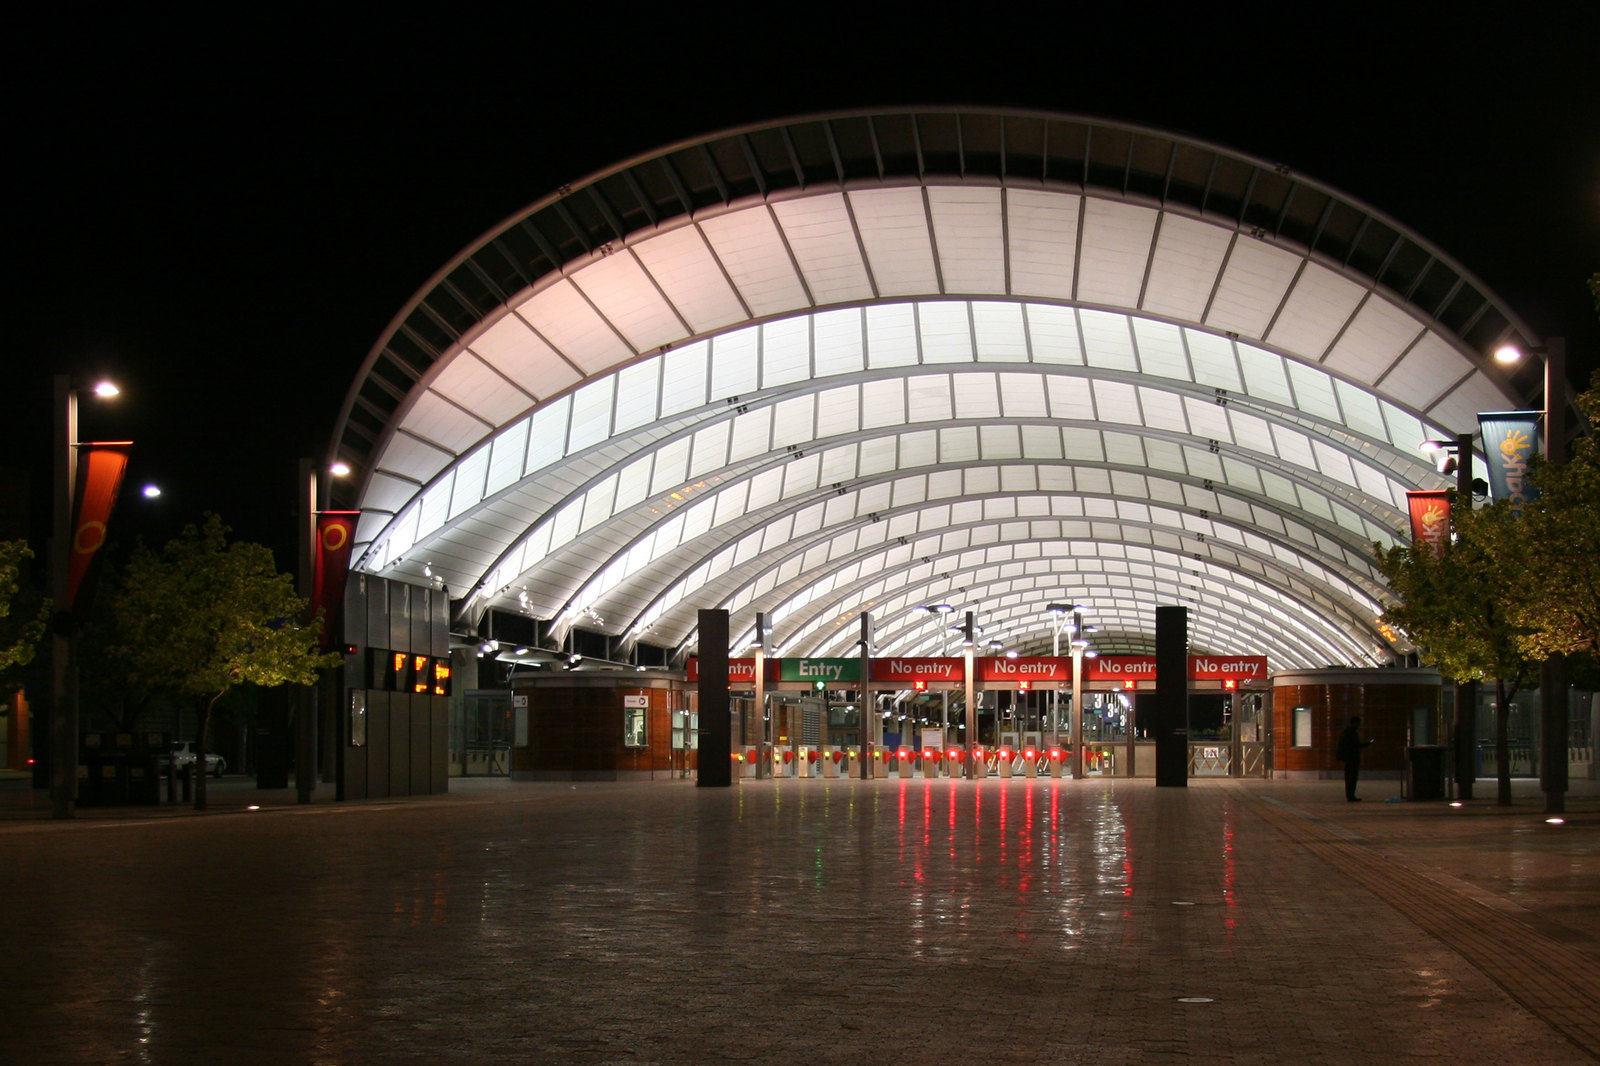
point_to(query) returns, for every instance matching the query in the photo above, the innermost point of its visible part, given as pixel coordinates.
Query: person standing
(1349, 752)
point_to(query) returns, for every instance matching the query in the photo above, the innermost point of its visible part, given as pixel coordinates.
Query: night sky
(225, 211)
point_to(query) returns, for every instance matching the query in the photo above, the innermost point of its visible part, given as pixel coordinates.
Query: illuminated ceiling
(873, 361)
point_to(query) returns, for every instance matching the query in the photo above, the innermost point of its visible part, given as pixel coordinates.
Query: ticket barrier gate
(1028, 762)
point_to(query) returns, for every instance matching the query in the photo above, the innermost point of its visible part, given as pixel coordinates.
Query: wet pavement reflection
(834, 921)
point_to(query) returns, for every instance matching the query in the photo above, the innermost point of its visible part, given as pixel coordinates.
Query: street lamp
(312, 489)
(63, 668)
(1456, 456)
(1553, 673)
(1063, 616)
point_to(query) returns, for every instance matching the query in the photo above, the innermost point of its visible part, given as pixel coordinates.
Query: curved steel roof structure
(872, 361)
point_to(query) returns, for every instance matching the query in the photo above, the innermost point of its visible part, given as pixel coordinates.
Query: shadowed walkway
(824, 921)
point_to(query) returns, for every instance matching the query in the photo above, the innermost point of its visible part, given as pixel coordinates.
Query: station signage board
(918, 670)
(829, 670)
(738, 670)
(1042, 669)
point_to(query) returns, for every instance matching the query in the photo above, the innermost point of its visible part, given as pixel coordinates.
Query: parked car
(183, 758)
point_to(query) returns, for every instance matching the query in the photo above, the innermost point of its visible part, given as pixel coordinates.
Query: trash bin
(1427, 771)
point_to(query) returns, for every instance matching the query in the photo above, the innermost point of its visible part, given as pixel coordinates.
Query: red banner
(330, 565)
(1430, 520)
(100, 470)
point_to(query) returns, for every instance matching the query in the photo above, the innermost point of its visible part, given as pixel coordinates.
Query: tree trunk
(1502, 744)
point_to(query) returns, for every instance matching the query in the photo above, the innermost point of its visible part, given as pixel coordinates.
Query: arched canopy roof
(873, 361)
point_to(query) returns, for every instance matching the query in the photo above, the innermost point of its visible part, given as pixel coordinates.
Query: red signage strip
(1042, 669)
(918, 670)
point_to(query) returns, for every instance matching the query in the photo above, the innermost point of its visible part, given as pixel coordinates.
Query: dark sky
(226, 211)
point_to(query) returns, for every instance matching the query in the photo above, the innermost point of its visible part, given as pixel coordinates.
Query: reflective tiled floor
(808, 921)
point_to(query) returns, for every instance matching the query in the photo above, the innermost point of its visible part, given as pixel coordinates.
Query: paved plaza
(825, 921)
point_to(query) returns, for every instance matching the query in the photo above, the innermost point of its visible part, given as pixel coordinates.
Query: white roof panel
(512, 347)
(1183, 271)
(564, 318)
(682, 264)
(968, 234)
(1042, 238)
(1253, 284)
(823, 238)
(753, 254)
(1116, 248)
(894, 230)
(1319, 305)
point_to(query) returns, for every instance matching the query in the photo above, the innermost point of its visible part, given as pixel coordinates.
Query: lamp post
(64, 641)
(762, 645)
(1061, 615)
(312, 486)
(1459, 451)
(1553, 673)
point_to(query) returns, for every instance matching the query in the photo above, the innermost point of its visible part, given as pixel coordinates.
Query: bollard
(1005, 764)
(1030, 763)
(830, 763)
(978, 765)
(902, 764)
(802, 762)
(928, 759)
(1055, 762)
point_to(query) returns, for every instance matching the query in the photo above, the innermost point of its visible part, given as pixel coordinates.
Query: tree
(1555, 549)
(203, 615)
(20, 634)
(1455, 606)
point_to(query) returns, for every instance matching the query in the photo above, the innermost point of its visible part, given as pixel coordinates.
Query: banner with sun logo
(1430, 520)
(336, 531)
(100, 469)
(1510, 441)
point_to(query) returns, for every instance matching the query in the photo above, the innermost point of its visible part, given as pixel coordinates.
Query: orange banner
(100, 470)
(330, 564)
(1430, 519)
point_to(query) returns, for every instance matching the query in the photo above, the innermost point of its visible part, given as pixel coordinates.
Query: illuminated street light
(63, 770)
(1553, 672)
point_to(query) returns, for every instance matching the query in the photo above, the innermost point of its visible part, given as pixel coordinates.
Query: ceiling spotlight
(151, 491)
(106, 389)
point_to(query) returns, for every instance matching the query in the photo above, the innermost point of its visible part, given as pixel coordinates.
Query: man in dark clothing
(1349, 752)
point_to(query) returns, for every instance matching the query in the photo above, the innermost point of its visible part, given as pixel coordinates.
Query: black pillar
(1553, 733)
(1466, 738)
(716, 729)
(1172, 696)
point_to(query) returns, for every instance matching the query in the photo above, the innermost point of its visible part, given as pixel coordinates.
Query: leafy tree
(1456, 607)
(1555, 549)
(21, 633)
(203, 616)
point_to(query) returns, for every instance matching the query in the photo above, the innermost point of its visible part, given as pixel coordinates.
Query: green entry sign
(819, 670)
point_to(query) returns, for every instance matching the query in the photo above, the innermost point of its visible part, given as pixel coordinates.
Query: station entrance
(1023, 718)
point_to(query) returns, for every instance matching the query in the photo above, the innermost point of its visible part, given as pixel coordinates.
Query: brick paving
(823, 921)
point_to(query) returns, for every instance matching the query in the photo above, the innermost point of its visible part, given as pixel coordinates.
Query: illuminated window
(635, 727)
(1302, 727)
